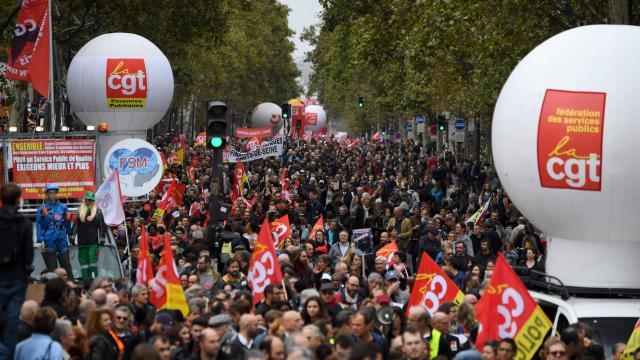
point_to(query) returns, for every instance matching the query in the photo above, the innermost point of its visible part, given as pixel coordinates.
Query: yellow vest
(434, 344)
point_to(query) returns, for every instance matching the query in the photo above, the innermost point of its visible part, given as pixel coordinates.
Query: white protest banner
(265, 150)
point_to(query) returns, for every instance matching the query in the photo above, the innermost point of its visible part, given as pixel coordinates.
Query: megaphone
(385, 315)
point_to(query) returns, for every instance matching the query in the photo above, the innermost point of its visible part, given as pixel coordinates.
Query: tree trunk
(620, 11)
(476, 152)
(19, 105)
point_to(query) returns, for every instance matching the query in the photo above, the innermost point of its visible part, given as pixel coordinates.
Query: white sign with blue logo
(456, 130)
(139, 166)
(419, 124)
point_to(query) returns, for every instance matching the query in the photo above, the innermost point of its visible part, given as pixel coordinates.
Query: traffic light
(216, 120)
(286, 111)
(361, 102)
(441, 126)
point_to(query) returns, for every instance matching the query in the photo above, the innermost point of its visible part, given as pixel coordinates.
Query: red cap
(383, 299)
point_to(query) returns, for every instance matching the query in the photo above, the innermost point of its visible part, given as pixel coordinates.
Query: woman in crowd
(103, 342)
(313, 310)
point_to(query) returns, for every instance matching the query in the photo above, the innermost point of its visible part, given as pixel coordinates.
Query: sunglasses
(123, 318)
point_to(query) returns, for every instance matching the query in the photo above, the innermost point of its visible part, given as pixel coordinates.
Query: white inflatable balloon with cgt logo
(120, 79)
(564, 138)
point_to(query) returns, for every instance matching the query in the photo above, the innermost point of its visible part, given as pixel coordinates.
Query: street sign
(456, 130)
(459, 124)
(419, 124)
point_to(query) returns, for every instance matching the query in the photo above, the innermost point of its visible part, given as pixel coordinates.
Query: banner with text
(69, 164)
(267, 149)
(254, 132)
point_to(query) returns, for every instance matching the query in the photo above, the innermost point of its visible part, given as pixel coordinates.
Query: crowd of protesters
(334, 302)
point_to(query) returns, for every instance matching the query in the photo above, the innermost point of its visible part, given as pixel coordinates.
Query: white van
(612, 319)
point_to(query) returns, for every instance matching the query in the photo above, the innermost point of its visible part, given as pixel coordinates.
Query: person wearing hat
(53, 226)
(90, 228)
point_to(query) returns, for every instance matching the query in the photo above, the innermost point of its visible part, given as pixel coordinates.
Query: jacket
(52, 225)
(404, 235)
(19, 269)
(90, 232)
(38, 346)
(102, 347)
(337, 255)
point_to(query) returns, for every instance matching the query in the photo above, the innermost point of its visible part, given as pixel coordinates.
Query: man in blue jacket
(53, 227)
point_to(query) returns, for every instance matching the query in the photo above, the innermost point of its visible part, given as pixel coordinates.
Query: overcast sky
(303, 13)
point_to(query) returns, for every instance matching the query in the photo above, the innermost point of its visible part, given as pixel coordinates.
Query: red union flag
(433, 287)
(28, 58)
(507, 310)
(387, 251)
(173, 197)
(201, 139)
(126, 82)
(239, 178)
(166, 291)
(264, 268)
(280, 230)
(570, 133)
(144, 273)
(318, 226)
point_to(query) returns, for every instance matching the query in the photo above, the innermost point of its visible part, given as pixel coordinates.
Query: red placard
(126, 82)
(69, 164)
(433, 287)
(570, 140)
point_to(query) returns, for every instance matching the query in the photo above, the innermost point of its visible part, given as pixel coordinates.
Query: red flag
(29, 53)
(173, 197)
(39, 69)
(387, 251)
(201, 139)
(144, 273)
(166, 292)
(239, 178)
(280, 230)
(318, 226)
(433, 287)
(507, 310)
(264, 268)
(377, 136)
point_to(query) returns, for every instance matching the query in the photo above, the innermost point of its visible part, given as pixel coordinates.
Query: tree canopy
(424, 57)
(238, 50)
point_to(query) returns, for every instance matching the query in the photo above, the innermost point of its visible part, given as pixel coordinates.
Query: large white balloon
(564, 141)
(315, 118)
(121, 79)
(267, 114)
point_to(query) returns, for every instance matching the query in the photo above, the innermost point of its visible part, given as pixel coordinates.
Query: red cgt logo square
(570, 133)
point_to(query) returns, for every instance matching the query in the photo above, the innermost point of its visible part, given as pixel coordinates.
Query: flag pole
(126, 231)
(52, 97)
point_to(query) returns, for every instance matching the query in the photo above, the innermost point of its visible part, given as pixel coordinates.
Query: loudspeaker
(385, 315)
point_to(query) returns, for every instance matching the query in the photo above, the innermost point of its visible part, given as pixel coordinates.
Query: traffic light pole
(217, 186)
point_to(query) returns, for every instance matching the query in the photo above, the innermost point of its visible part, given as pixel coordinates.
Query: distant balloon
(267, 114)
(120, 79)
(315, 118)
(295, 102)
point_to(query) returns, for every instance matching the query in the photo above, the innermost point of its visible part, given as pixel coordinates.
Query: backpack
(10, 244)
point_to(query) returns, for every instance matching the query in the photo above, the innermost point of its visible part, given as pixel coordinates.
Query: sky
(303, 13)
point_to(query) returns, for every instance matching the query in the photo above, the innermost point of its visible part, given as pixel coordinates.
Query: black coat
(22, 264)
(102, 347)
(89, 232)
